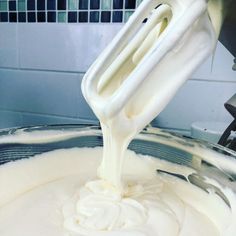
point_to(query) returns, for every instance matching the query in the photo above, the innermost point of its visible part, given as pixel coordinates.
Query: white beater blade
(145, 64)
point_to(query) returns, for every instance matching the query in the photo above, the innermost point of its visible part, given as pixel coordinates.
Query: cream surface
(152, 204)
(58, 193)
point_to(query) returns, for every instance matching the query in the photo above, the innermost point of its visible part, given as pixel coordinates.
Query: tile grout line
(41, 114)
(42, 70)
(83, 72)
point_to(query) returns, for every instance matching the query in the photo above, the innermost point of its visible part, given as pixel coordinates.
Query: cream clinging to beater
(140, 71)
(158, 56)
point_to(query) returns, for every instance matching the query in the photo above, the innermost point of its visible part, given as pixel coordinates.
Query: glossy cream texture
(140, 71)
(59, 193)
(127, 86)
(45, 189)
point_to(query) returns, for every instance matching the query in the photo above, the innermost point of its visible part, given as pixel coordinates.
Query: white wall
(41, 67)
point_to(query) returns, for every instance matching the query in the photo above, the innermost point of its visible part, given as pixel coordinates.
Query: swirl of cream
(142, 210)
(100, 209)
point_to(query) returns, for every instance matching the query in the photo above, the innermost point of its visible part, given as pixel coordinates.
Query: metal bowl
(208, 160)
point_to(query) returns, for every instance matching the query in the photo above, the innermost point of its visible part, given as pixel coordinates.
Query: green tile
(138, 2)
(73, 4)
(127, 15)
(21, 5)
(3, 5)
(106, 4)
(61, 16)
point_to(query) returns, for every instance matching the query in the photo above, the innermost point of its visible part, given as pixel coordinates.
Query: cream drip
(103, 205)
(150, 64)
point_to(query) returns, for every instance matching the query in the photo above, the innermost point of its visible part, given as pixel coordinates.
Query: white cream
(44, 191)
(141, 70)
(57, 193)
(127, 86)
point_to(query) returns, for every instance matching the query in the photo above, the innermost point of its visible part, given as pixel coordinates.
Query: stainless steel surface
(151, 141)
(167, 146)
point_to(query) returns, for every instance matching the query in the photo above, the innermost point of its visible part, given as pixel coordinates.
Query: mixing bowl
(208, 160)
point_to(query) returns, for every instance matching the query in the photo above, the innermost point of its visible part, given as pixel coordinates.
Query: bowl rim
(219, 156)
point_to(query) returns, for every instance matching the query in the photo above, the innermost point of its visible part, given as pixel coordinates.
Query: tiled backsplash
(42, 65)
(71, 11)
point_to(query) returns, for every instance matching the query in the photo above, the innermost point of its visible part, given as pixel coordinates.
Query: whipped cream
(58, 193)
(140, 71)
(44, 193)
(127, 86)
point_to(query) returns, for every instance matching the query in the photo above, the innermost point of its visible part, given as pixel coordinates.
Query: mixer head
(145, 64)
